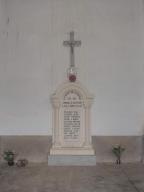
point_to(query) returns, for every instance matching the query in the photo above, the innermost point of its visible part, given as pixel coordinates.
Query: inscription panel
(72, 116)
(71, 124)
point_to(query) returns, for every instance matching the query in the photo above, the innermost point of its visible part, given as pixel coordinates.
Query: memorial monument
(71, 139)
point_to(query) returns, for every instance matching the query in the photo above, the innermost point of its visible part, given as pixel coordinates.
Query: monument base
(71, 160)
(72, 151)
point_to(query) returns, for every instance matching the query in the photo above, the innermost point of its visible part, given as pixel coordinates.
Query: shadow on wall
(36, 148)
(33, 148)
(104, 145)
(142, 146)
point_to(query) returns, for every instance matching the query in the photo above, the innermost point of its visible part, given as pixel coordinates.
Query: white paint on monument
(71, 120)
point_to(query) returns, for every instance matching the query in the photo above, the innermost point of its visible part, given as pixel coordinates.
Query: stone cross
(72, 43)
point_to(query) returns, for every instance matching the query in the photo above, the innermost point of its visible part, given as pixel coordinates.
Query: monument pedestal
(71, 127)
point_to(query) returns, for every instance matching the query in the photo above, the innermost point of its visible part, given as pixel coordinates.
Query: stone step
(71, 160)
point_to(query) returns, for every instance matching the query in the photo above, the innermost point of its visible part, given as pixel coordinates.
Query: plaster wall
(33, 62)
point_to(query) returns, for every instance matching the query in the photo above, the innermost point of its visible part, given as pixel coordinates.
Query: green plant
(117, 151)
(9, 156)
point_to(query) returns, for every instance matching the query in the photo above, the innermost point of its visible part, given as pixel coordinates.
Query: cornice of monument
(66, 86)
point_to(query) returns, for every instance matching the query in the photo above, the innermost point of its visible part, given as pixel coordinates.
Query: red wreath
(72, 78)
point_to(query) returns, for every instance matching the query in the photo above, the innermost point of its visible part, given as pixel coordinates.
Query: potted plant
(9, 156)
(22, 162)
(117, 151)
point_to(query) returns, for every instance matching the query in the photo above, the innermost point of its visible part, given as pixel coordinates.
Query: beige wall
(36, 148)
(33, 62)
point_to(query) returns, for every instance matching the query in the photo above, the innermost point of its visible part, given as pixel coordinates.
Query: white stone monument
(71, 140)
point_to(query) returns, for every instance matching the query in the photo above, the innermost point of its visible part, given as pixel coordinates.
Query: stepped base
(72, 151)
(71, 160)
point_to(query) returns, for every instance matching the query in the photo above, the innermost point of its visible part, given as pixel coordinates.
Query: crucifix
(72, 44)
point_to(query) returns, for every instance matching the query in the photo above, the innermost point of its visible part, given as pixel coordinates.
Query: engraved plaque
(71, 124)
(72, 114)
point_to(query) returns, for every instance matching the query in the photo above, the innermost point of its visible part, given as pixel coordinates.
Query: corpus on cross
(72, 44)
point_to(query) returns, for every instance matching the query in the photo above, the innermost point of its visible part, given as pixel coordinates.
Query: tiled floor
(100, 178)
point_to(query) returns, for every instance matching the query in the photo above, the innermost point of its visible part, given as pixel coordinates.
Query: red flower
(72, 78)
